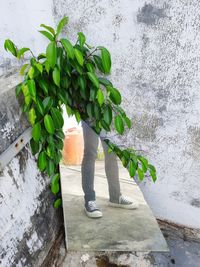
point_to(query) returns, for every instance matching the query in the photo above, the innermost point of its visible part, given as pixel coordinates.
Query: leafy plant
(73, 75)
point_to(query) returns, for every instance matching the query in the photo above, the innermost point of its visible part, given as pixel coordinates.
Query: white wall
(29, 224)
(20, 21)
(155, 54)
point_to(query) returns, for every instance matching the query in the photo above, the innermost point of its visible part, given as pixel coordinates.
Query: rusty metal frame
(15, 148)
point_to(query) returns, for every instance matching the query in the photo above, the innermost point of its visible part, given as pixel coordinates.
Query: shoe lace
(92, 204)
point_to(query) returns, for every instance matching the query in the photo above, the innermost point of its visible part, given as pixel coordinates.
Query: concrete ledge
(118, 229)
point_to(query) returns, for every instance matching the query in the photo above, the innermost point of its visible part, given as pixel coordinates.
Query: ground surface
(118, 229)
(184, 252)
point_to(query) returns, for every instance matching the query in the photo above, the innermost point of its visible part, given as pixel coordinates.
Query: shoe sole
(128, 207)
(92, 215)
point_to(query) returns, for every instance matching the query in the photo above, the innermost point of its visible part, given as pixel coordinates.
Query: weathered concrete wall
(155, 53)
(155, 49)
(20, 21)
(28, 222)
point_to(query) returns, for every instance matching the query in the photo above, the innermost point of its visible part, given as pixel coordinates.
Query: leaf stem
(32, 53)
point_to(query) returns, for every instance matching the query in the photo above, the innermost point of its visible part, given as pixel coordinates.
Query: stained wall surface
(155, 47)
(29, 225)
(155, 54)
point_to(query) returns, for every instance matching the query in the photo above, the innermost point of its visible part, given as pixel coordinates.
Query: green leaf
(82, 82)
(23, 68)
(93, 93)
(62, 95)
(115, 95)
(47, 35)
(106, 60)
(50, 29)
(93, 79)
(140, 174)
(90, 67)
(22, 51)
(26, 94)
(100, 97)
(124, 162)
(122, 112)
(57, 118)
(57, 203)
(107, 115)
(55, 188)
(59, 134)
(36, 131)
(132, 168)
(9, 46)
(34, 146)
(41, 56)
(65, 82)
(119, 125)
(104, 81)
(78, 56)
(56, 76)
(59, 144)
(153, 175)
(128, 122)
(97, 111)
(32, 88)
(50, 150)
(81, 38)
(40, 106)
(18, 89)
(39, 66)
(151, 167)
(61, 24)
(48, 123)
(144, 163)
(98, 62)
(51, 54)
(55, 178)
(31, 72)
(89, 109)
(68, 48)
(44, 85)
(105, 125)
(82, 85)
(42, 161)
(32, 116)
(47, 66)
(50, 167)
(55, 184)
(69, 110)
(77, 116)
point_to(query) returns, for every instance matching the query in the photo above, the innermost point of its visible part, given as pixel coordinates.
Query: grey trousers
(91, 142)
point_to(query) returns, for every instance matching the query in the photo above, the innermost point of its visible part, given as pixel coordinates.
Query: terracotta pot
(73, 146)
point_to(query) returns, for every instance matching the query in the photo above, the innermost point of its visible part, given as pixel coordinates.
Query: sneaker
(124, 203)
(91, 209)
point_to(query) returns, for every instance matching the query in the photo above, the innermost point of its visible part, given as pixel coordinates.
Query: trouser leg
(91, 141)
(112, 173)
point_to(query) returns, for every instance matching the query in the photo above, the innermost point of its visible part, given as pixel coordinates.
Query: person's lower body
(91, 142)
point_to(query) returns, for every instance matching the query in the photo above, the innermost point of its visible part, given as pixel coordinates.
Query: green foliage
(73, 75)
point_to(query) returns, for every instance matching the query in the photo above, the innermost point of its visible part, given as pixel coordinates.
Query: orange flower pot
(73, 147)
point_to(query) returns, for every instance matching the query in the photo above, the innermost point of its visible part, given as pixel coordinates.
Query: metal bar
(14, 148)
